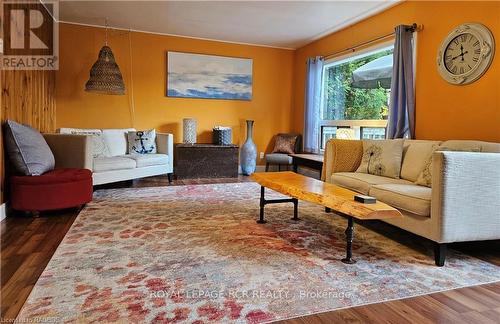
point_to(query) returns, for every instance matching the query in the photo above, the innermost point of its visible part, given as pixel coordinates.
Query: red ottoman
(57, 189)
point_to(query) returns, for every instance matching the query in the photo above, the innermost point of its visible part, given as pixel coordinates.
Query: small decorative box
(221, 135)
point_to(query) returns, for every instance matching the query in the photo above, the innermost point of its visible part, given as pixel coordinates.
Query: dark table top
(205, 145)
(308, 156)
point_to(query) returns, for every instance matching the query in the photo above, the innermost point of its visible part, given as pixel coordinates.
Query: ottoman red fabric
(57, 189)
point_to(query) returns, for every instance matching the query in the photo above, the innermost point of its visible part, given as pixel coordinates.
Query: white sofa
(463, 203)
(76, 151)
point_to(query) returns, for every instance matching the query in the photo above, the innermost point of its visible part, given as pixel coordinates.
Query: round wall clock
(466, 54)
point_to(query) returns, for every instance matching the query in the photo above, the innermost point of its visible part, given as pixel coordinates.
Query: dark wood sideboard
(192, 161)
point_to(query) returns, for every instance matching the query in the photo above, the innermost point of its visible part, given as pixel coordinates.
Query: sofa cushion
(471, 146)
(113, 163)
(382, 157)
(116, 140)
(490, 147)
(28, 151)
(145, 160)
(361, 182)
(416, 153)
(409, 197)
(278, 158)
(464, 145)
(142, 142)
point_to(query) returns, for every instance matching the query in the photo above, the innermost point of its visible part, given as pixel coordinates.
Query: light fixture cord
(106, 37)
(132, 101)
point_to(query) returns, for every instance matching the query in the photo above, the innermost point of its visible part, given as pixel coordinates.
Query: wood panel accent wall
(27, 97)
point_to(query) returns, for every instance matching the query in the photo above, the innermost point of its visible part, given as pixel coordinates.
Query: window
(355, 95)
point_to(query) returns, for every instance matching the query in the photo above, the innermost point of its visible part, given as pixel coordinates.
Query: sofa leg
(439, 253)
(35, 213)
(169, 176)
(267, 167)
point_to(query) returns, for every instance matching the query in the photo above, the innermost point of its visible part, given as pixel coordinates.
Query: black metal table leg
(262, 205)
(295, 209)
(264, 202)
(349, 233)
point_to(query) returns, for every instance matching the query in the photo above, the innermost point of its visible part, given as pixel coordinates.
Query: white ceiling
(284, 24)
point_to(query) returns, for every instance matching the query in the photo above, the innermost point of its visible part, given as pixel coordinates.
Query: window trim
(357, 125)
(373, 48)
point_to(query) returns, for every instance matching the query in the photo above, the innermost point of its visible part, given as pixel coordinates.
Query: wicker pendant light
(105, 75)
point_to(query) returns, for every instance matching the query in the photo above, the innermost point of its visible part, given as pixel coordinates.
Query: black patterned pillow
(142, 142)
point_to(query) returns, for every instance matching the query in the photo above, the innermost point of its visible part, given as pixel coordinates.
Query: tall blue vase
(248, 154)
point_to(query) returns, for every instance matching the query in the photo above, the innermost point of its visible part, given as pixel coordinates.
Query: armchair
(281, 156)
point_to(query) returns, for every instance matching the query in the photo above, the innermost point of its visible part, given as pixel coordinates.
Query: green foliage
(342, 101)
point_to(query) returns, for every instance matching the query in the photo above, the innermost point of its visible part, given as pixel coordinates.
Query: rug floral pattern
(195, 254)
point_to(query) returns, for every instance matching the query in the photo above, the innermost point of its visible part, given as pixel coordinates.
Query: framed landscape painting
(208, 76)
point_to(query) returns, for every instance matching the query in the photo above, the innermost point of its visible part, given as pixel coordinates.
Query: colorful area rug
(195, 254)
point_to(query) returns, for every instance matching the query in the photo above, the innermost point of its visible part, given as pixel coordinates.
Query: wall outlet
(261, 155)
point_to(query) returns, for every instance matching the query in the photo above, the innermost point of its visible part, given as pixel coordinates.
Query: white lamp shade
(189, 130)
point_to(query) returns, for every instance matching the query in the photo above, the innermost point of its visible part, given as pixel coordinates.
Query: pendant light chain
(131, 92)
(106, 31)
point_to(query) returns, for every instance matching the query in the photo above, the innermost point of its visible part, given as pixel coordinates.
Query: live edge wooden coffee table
(335, 198)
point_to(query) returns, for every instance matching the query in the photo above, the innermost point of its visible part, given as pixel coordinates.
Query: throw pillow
(142, 142)
(99, 147)
(382, 157)
(285, 143)
(28, 151)
(425, 176)
(415, 155)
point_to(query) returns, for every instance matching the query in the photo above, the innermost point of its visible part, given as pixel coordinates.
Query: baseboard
(3, 212)
(273, 168)
(258, 168)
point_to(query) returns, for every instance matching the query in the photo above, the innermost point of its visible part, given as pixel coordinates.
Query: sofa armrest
(71, 151)
(341, 156)
(466, 196)
(165, 145)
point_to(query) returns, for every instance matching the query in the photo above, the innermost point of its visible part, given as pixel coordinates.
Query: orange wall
(443, 111)
(79, 45)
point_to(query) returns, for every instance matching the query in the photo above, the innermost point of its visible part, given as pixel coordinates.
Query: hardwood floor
(27, 244)
(479, 304)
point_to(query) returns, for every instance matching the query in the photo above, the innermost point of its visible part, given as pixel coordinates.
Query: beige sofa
(462, 205)
(72, 150)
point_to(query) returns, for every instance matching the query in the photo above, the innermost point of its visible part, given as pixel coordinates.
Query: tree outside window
(343, 102)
